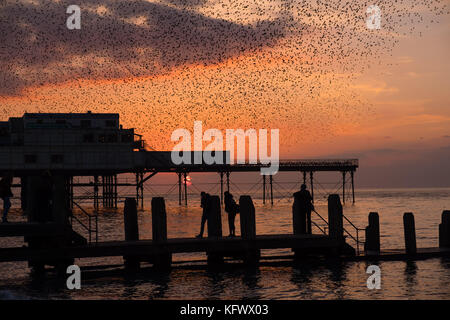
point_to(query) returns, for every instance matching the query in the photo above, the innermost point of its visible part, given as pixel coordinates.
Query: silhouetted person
(6, 194)
(303, 200)
(232, 209)
(203, 202)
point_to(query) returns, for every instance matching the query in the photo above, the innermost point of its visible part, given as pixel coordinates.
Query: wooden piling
(131, 231)
(159, 231)
(214, 221)
(410, 233)
(298, 216)
(372, 243)
(444, 230)
(248, 229)
(335, 217)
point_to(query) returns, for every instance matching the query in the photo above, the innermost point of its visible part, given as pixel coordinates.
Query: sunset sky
(333, 87)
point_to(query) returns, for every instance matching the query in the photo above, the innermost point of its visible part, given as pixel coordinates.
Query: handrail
(356, 239)
(88, 228)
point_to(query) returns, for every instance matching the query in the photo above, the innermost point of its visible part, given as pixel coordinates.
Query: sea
(316, 279)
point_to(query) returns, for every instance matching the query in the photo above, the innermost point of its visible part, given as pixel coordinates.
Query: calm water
(428, 279)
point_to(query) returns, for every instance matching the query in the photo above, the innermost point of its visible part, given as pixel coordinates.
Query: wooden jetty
(59, 252)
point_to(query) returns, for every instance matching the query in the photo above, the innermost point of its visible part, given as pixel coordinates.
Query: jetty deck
(175, 245)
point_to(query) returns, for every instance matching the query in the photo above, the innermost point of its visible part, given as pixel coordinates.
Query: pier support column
(131, 231)
(304, 177)
(96, 204)
(372, 243)
(185, 188)
(343, 186)
(248, 229)
(312, 185)
(444, 230)
(271, 190)
(264, 189)
(159, 231)
(228, 180)
(23, 193)
(214, 228)
(221, 187)
(179, 188)
(410, 233)
(352, 173)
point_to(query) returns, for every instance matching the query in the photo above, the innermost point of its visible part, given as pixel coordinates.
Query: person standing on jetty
(6, 194)
(232, 209)
(203, 201)
(303, 200)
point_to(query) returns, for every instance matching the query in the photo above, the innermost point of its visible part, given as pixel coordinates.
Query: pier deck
(176, 245)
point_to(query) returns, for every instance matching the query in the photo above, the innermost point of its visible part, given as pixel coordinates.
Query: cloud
(117, 39)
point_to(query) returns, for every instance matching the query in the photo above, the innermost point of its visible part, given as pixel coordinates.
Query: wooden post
(179, 188)
(131, 231)
(444, 230)
(372, 243)
(247, 217)
(221, 187)
(343, 186)
(214, 227)
(298, 216)
(410, 233)
(264, 189)
(271, 190)
(248, 229)
(335, 218)
(159, 230)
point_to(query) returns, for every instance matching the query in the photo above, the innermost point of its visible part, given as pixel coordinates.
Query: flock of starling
(289, 62)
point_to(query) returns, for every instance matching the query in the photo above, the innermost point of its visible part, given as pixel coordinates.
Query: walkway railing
(354, 237)
(91, 227)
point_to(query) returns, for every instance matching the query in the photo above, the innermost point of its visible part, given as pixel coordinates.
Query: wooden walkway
(176, 245)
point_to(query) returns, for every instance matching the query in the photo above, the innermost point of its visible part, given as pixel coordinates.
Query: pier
(47, 151)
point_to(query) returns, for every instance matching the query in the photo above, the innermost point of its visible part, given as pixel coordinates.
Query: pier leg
(271, 190)
(298, 222)
(131, 231)
(96, 204)
(372, 243)
(228, 180)
(221, 187)
(343, 186)
(352, 173)
(214, 228)
(23, 193)
(312, 185)
(304, 177)
(179, 188)
(185, 189)
(410, 233)
(115, 191)
(264, 189)
(159, 230)
(248, 229)
(444, 230)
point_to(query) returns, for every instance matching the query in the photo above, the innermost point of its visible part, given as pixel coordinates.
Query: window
(30, 158)
(57, 158)
(110, 123)
(85, 123)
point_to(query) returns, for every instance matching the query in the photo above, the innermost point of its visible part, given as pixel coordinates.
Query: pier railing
(91, 226)
(355, 236)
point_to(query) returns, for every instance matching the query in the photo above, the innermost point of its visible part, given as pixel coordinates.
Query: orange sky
(382, 109)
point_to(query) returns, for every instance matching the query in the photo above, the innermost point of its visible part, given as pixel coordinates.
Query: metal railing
(91, 227)
(353, 237)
